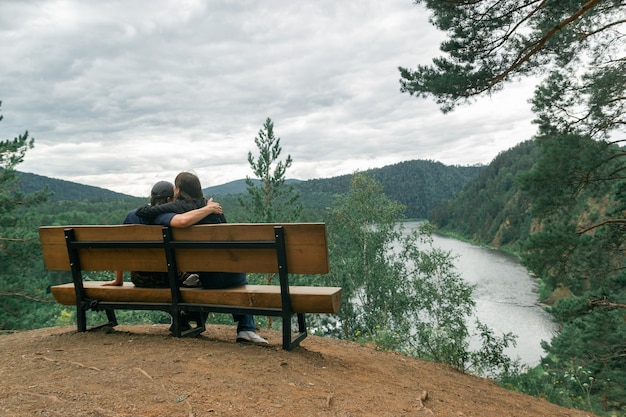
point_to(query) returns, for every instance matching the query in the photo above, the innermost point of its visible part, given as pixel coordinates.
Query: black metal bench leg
(287, 333)
(81, 319)
(290, 342)
(111, 317)
(301, 323)
(176, 320)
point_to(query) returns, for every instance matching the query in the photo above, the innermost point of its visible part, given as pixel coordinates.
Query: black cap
(163, 189)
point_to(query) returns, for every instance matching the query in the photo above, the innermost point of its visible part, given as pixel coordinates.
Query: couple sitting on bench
(182, 205)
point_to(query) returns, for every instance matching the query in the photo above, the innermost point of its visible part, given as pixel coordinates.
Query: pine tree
(577, 186)
(271, 200)
(19, 244)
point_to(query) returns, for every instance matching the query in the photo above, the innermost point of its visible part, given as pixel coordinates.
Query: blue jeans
(219, 280)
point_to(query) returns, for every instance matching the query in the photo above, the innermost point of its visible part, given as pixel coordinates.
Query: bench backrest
(306, 248)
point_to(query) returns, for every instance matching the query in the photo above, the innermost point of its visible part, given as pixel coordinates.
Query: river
(505, 295)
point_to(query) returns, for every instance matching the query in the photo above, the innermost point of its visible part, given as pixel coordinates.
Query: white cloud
(120, 94)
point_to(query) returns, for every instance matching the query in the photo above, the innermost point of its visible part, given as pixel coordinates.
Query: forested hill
(237, 187)
(491, 209)
(65, 190)
(420, 185)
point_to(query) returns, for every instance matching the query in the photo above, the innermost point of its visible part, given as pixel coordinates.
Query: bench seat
(303, 299)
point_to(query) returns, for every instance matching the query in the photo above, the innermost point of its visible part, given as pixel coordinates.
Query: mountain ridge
(420, 185)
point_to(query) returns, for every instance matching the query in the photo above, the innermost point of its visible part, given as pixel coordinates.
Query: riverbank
(506, 295)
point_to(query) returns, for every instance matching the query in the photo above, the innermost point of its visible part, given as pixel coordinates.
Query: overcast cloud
(120, 94)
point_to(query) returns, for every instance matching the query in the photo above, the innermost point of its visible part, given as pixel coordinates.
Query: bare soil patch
(143, 371)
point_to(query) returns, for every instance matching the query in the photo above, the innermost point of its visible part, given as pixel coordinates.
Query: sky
(120, 94)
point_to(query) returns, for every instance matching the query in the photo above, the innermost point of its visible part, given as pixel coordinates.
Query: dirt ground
(143, 371)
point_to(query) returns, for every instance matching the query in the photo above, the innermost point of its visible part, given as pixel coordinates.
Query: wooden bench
(298, 248)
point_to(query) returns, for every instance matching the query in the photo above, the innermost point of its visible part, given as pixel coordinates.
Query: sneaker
(250, 337)
(193, 280)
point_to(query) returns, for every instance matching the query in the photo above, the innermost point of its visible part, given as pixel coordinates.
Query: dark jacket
(148, 213)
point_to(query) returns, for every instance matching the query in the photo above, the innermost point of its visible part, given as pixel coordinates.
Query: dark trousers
(220, 280)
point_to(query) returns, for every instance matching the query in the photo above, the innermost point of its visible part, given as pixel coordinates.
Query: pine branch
(527, 52)
(603, 223)
(28, 297)
(604, 303)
